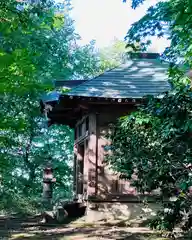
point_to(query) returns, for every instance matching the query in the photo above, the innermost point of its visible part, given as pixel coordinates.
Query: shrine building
(89, 107)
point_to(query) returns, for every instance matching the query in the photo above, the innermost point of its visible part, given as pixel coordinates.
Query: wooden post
(75, 173)
(92, 161)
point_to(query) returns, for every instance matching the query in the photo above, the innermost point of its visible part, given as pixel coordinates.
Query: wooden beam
(92, 156)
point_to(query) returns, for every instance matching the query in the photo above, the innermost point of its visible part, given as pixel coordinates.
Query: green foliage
(38, 45)
(135, 3)
(31, 152)
(170, 19)
(112, 56)
(155, 144)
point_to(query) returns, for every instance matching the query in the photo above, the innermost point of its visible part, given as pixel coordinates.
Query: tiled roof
(68, 83)
(134, 79)
(54, 95)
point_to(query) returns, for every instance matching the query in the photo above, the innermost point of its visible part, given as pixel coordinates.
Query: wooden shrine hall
(89, 107)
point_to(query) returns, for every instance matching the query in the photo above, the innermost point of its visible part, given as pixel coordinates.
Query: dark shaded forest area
(38, 45)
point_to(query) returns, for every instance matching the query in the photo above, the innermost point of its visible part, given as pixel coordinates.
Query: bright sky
(104, 20)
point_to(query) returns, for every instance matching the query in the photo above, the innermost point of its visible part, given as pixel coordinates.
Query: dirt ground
(17, 228)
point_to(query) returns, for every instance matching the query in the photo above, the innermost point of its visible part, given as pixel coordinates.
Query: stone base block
(120, 211)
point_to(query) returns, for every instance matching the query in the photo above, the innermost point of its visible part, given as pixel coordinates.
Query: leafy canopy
(154, 143)
(38, 45)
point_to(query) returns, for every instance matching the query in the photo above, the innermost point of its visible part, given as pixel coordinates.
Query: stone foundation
(120, 211)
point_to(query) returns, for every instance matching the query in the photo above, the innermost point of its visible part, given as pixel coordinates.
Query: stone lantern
(48, 181)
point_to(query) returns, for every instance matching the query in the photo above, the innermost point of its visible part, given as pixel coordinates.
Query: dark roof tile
(135, 79)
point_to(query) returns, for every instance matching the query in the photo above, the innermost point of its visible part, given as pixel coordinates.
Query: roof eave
(98, 100)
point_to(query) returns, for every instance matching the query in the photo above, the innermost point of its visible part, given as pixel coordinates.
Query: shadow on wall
(108, 182)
